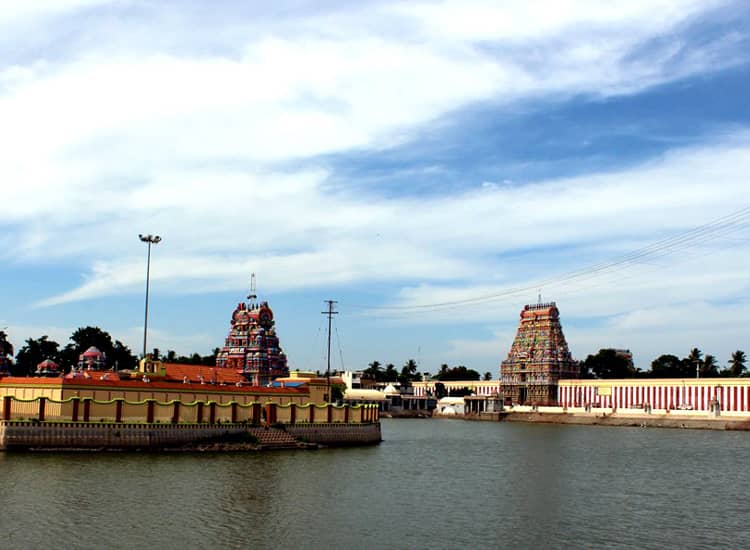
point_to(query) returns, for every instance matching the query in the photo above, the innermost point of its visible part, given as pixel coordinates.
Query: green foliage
(118, 354)
(409, 373)
(33, 353)
(440, 390)
(670, 366)
(457, 373)
(390, 374)
(737, 363)
(487, 376)
(6, 351)
(709, 367)
(337, 392)
(607, 363)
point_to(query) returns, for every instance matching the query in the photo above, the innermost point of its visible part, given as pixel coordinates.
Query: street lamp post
(150, 239)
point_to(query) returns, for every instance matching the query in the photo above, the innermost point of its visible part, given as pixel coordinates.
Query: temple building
(538, 358)
(252, 346)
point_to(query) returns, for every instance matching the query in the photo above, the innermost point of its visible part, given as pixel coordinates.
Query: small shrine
(252, 346)
(538, 358)
(48, 368)
(92, 359)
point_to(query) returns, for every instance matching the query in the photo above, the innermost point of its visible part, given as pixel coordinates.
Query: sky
(431, 166)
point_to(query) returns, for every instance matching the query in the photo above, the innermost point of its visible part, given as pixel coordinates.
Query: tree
(33, 353)
(458, 373)
(117, 354)
(409, 373)
(337, 392)
(374, 371)
(6, 351)
(440, 390)
(390, 374)
(607, 363)
(737, 363)
(709, 366)
(693, 362)
(487, 376)
(585, 370)
(121, 358)
(669, 366)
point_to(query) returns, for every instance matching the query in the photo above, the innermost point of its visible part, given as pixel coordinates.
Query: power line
(718, 228)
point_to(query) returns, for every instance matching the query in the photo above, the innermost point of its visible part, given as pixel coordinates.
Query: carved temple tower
(538, 358)
(252, 346)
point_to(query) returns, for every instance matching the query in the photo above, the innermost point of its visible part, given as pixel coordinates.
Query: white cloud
(221, 150)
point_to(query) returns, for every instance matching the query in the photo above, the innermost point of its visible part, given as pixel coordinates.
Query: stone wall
(29, 435)
(108, 435)
(336, 434)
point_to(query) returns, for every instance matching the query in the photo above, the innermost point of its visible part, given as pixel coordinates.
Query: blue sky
(387, 155)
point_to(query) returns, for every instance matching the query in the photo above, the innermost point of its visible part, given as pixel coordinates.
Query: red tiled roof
(177, 372)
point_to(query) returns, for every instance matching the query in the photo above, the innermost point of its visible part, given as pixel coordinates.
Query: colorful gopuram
(538, 358)
(252, 346)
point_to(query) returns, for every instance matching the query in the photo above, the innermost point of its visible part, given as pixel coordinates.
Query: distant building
(356, 380)
(538, 358)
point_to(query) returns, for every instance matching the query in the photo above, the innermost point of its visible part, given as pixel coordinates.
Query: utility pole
(330, 314)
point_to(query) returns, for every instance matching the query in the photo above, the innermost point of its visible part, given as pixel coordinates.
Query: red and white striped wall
(732, 394)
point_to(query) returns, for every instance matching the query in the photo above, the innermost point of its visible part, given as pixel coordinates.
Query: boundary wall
(723, 395)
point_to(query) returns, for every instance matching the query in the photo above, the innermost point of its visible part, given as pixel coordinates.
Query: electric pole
(330, 314)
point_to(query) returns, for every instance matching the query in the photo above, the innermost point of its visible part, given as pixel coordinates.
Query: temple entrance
(521, 396)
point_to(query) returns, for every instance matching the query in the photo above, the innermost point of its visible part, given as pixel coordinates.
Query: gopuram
(252, 346)
(538, 358)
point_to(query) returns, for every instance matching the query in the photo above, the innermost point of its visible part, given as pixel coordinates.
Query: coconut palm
(709, 366)
(737, 363)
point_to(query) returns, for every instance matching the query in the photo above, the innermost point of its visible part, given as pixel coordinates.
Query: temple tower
(252, 346)
(538, 358)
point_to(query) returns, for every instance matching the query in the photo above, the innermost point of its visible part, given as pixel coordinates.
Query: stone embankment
(611, 417)
(701, 420)
(657, 421)
(109, 436)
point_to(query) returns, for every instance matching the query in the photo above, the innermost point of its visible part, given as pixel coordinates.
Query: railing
(75, 409)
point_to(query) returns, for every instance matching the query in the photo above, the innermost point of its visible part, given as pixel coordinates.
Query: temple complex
(252, 347)
(538, 358)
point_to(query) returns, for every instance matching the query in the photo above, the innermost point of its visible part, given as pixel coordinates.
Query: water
(431, 484)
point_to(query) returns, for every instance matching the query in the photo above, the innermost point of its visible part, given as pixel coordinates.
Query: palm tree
(374, 371)
(709, 366)
(737, 363)
(695, 358)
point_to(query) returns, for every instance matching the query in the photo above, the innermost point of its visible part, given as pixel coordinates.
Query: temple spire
(252, 296)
